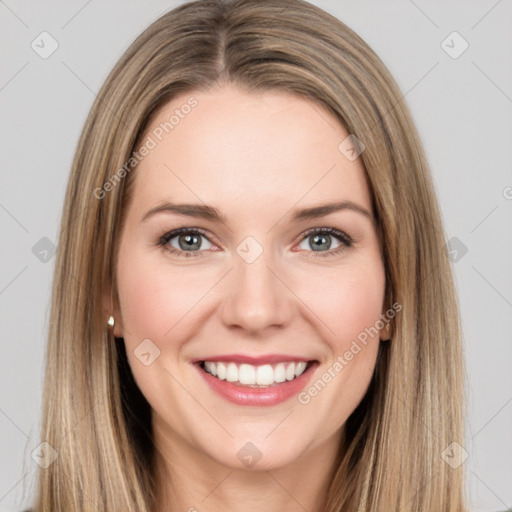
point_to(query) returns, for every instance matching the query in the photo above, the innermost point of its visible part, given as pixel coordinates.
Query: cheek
(158, 300)
(349, 309)
(350, 304)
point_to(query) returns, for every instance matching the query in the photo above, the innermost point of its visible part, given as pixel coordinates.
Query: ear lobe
(111, 309)
(385, 333)
(117, 331)
(106, 301)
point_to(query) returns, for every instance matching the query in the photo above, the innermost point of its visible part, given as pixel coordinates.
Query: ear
(386, 331)
(110, 307)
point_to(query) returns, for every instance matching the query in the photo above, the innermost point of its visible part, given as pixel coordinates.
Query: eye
(320, 241)
(185, 241)
(190, 242)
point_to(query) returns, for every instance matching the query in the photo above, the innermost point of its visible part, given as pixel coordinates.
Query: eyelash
(342, 237)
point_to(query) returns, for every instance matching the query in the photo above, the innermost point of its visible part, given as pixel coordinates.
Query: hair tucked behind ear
(93, 414)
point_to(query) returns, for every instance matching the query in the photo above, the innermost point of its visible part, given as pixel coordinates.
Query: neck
(192, 481)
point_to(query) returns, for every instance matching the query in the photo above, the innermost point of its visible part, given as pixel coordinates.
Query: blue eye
(319, 240)
(188, 242)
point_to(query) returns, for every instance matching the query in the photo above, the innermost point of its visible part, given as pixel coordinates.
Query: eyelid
(328, 230)
(346, 240)
(164, 240)
(168, 235)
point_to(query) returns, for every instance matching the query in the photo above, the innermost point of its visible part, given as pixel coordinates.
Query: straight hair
(93, 413)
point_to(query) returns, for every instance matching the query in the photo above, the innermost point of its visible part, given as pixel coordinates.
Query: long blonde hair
(95, 417)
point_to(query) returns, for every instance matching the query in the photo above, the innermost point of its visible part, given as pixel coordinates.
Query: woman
(252, 302)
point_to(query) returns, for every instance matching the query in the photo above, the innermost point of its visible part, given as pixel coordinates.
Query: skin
(256, 158)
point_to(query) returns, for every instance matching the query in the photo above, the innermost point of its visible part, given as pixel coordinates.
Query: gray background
(462, 107)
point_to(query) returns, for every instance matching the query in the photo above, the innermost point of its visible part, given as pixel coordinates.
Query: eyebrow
(211, 213)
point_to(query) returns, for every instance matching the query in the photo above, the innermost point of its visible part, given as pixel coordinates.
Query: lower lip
(261, 397)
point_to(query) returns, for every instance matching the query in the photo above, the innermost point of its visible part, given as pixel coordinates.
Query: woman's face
(252, 285)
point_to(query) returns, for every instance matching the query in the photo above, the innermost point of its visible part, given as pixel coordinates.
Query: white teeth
(232, 373)
(280, 373)
(210, 368)
(290, 372)
(221, 370)
(249, 375)
(299, 368)
(265, 375)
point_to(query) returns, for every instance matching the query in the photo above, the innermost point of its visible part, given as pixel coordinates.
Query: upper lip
(253, 360)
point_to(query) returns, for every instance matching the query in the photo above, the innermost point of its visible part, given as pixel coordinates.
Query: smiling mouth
(261, 376)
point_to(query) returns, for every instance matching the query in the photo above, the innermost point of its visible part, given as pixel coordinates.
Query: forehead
(272, 147)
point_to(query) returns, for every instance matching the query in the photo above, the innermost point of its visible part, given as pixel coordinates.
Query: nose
(256, 295)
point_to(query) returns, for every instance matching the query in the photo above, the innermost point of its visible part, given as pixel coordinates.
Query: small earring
(111, 323)
(387, 331)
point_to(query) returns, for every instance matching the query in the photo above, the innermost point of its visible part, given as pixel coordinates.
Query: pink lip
(262, 397)
(256, 360)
